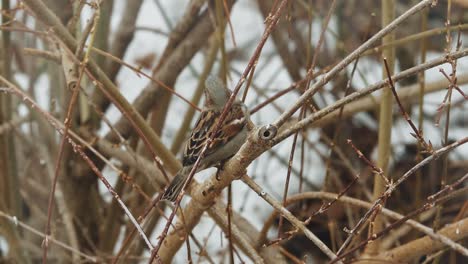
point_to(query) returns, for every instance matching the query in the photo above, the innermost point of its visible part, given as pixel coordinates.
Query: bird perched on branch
(226, 141)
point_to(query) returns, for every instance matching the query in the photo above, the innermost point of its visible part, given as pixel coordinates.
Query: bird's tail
(175, 187)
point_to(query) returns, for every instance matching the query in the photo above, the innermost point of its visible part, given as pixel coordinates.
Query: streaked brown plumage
(226, 142)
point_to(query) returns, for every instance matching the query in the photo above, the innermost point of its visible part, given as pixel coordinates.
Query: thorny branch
(184, 42)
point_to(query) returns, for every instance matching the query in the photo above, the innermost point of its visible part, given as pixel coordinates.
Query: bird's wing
(232, 125)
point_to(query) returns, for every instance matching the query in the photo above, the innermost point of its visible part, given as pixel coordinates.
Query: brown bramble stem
(223, 115)
(417, 133)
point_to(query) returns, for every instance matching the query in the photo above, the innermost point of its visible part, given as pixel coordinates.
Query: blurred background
(150, 48)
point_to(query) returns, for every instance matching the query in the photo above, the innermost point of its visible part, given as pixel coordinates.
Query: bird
(226, 141)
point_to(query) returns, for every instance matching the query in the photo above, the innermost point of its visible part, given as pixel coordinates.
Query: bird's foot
(219, 169)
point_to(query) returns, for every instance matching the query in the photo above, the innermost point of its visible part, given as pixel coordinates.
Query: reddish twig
(76, 148)
(67, 123)
(375, 169)
(228, 105)
(324, 207)
(391, 188)
(310, 73)
(417, 133)
(431, 202)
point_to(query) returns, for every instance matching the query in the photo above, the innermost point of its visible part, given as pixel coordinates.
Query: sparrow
(226, 141)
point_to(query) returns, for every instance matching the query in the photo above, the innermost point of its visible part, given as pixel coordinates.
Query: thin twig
(51, 239)
(74, 85)
(350, 58)
(375, 168)
(392, 187)
(362, 93)
(417, 133)
(77, 148)
(223, 115)
(291, 218)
